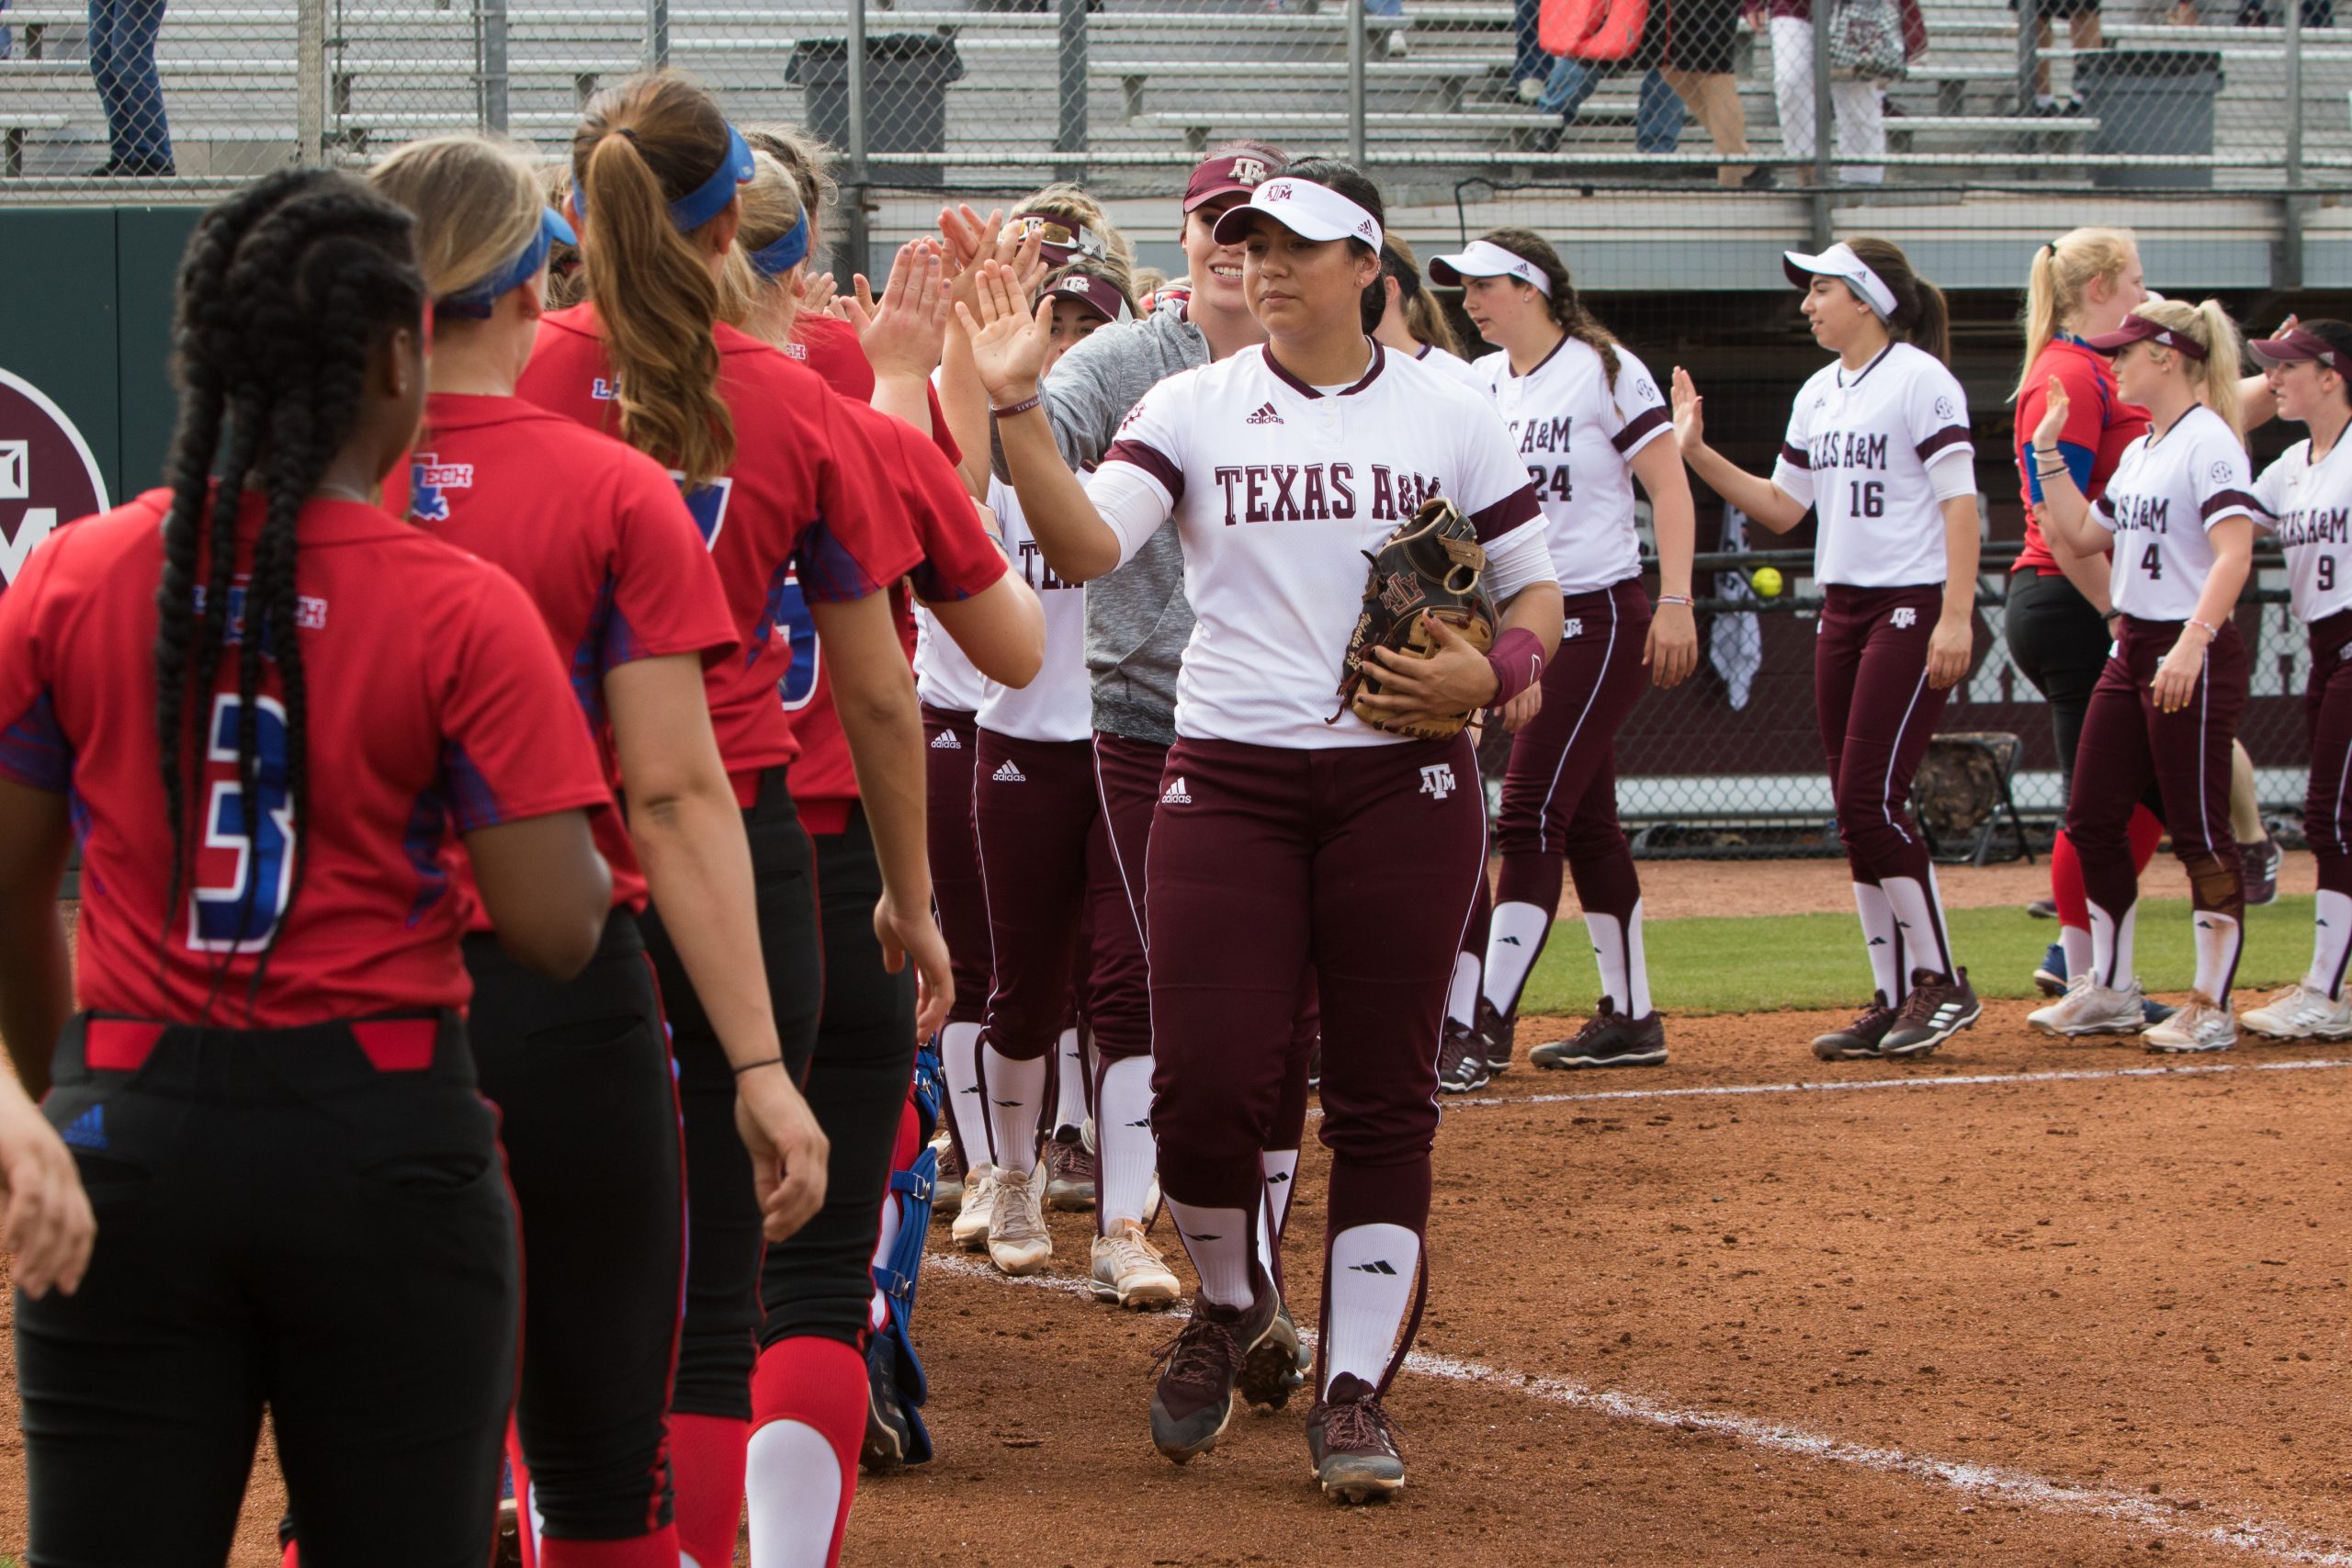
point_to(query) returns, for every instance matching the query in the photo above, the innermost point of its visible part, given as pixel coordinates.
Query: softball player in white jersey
(1284, 833)
(2307, 494)
(1878, 448)
(2180, 514)
(1587, 418)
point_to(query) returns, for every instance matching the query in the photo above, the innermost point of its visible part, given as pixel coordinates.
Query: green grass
(1759, 963)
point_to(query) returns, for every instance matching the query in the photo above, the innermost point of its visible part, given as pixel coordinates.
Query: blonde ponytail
(640, 147)
(2214, 378)
(2059, 281)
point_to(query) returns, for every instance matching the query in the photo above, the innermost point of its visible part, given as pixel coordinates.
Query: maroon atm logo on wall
(47, 475)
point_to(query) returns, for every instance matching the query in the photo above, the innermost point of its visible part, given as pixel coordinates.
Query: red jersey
(830, 347)
(958, 561)
(609, 554)
(434, 704)
(806, 497)
(2098, 420)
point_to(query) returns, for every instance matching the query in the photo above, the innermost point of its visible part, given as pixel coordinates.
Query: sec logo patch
(47, 474)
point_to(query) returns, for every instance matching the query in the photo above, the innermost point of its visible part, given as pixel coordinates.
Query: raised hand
(1008, 340)
(902, 333)
(1689, 413)
(2054, 416)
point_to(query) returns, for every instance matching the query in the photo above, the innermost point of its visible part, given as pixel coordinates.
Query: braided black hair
(285, 292)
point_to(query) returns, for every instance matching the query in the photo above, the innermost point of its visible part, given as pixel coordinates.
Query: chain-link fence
(1692, 96)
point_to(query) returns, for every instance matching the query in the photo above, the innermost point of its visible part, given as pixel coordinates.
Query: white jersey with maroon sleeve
(1278, 491)
(2310, 508)
(2168, 490)
(1059, 704)
(1576, 436)
(1858, 449)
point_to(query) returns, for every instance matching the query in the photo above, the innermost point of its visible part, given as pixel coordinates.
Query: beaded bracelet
(2206, 626)
(1666, 599)
(1022, 407)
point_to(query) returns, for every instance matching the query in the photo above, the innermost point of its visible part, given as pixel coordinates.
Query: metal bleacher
(1163, 78)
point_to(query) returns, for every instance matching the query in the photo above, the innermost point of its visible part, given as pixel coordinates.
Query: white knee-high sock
(1125, 1155)
(1514, 938)
(878, 1309)
(1280, 1166)
(2217, 937)
(2113, 959)
(2074, 941)
(1373, 1272)
(1919, 916)
(1222, 1244)
(1461, 997)
(959, 1061)
(1016, 1093)
(2331, 942)
(794, 1479)
(1625, 971)
(1069, 1085)
(1881, 940)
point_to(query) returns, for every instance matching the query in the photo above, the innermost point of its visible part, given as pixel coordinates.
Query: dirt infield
(2023, 1302)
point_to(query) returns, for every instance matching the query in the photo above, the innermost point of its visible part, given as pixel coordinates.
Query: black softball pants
(819, 1281)
(314, 1219)
(588, 1113)
(724, 1244)
(2060, 644)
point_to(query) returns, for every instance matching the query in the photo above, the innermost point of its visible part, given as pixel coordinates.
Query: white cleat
(2300, 1013)
(2202, 1025)
(971, 1229)
(1128, 1269)
(1018, 1243)
(2091, 1009)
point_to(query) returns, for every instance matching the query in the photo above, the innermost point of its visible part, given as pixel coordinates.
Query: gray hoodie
(1137, 621)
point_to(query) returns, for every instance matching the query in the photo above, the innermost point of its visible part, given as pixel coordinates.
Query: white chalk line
(1995, 1483)
(1839, 1086)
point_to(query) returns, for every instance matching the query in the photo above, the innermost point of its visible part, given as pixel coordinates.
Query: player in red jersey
(297, 1188)
(581, 1071)
(784, 484)
(816, 1405)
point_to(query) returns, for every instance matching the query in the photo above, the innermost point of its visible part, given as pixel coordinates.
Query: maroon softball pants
(1049, 874)
(1358, 860)
(2127, 742)
(1877, 714)
(951, 736)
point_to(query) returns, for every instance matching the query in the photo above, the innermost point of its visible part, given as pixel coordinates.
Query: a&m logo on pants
(1905, 618)
(1437, 779)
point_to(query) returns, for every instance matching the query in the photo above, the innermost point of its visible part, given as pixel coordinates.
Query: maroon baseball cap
(1228, 174)
(2140, 329)
(2298, 343)
(1097, 294)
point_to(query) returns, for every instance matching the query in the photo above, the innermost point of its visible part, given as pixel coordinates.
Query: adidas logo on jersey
(1265, 415)
(87, 1130)
(947, 742)
(1008, 774)
(1176, 794)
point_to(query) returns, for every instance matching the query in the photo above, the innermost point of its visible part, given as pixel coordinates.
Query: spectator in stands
(1658, 118)
(1699, 38)
(1530, 67)
(123, 62)
(1859, 107)
(2082, 32)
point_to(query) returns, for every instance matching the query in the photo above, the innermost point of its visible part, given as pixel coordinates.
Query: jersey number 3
(241, 914)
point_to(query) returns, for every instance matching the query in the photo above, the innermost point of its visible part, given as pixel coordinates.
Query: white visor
(1484, 258)
(1309, 211)
(1840, 261)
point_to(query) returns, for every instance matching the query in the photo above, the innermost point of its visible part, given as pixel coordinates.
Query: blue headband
(479, 300)
(706, 201)
(783, 253)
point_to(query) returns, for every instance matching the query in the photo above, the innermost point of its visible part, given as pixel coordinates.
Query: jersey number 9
(241, 914)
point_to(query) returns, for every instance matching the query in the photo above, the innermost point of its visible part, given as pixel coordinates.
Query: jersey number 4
(241, 914)
(2152, 561)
